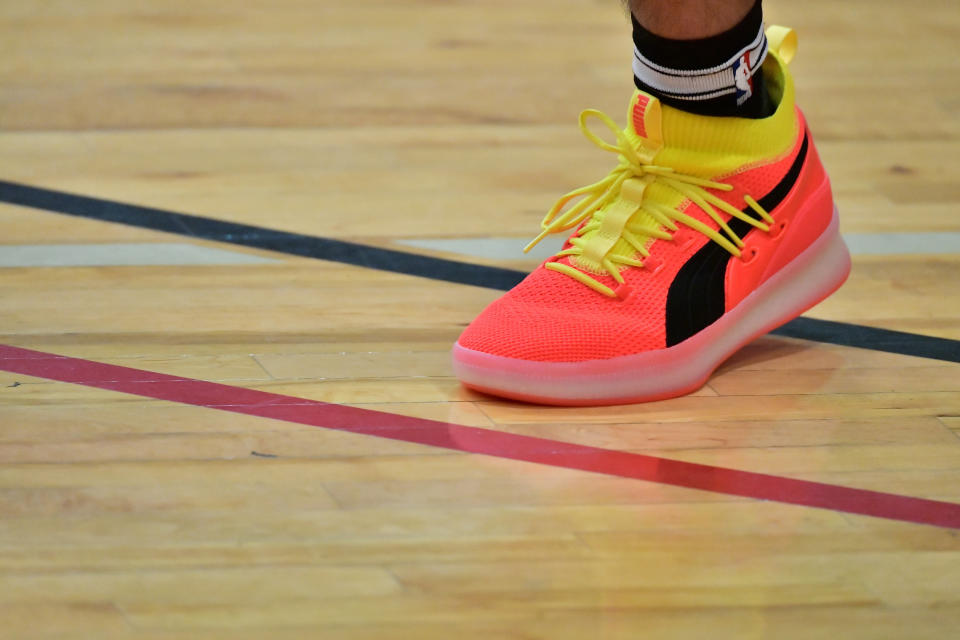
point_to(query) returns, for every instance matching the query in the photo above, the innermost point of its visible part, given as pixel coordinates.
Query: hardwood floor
(126, 516)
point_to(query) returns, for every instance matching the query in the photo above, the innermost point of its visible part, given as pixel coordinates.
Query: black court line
(854, 335)
(246, 235)
(360, 255)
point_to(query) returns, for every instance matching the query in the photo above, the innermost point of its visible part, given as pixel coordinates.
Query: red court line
(477, 440)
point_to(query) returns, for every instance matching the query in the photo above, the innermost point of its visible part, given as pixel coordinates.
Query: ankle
(718, 75)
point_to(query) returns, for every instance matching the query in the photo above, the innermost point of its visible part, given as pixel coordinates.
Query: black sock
(717, 76)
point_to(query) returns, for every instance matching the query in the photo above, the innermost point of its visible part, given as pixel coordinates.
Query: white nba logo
(743, 79)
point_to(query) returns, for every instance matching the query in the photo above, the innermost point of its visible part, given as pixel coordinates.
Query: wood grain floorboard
(374, 122)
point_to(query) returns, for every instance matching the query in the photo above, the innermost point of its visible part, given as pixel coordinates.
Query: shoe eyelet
(748, 255)
(777, 230)
(623, 291)
(653, 265)
(682, 239)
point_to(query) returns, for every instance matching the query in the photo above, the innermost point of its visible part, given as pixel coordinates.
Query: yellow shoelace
(613, 202)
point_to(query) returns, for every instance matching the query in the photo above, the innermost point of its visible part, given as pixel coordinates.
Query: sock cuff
(718, 68)
(692, 54)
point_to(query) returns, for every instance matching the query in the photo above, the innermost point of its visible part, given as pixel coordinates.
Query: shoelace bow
(613, 202)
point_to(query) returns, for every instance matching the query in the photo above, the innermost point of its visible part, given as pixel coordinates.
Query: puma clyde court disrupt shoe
(709, 232)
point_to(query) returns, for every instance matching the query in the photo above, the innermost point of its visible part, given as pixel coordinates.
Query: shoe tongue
(645, 121)
(644, 132)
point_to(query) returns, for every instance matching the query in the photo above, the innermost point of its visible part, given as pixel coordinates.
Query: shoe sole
(685, 367)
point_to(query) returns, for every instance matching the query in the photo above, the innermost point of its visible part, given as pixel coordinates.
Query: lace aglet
(535, 241)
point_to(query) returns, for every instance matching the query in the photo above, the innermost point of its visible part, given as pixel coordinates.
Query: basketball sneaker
(709, 232)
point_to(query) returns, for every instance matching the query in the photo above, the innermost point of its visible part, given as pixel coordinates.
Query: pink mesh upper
(550, 317)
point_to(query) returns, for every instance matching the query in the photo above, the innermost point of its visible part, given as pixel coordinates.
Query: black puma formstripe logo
(696, 297)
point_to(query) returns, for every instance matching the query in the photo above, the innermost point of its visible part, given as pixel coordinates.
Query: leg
(689, 19)
(702, 56)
